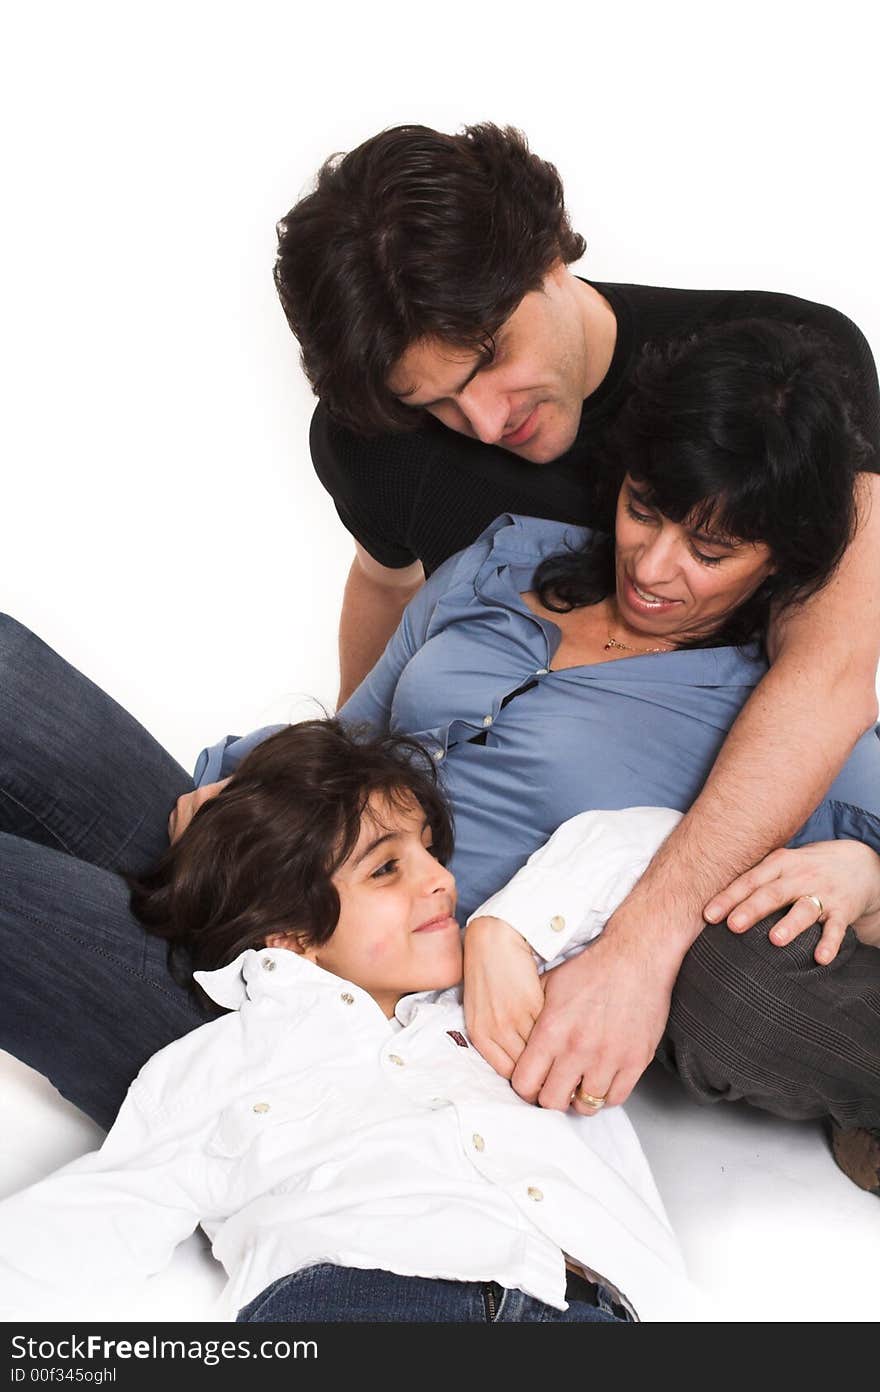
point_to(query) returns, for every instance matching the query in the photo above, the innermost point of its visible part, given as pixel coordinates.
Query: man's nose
(486, 409)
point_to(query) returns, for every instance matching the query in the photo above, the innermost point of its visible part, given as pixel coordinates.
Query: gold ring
(814, 899)
(588, 1099)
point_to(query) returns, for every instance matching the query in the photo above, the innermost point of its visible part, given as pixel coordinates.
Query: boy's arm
(605, 1011)
(104, 1222)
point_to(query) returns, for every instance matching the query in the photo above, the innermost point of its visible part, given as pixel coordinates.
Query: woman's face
(674, 582)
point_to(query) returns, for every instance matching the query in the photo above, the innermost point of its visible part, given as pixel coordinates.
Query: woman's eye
(388, 868)
(706, 560)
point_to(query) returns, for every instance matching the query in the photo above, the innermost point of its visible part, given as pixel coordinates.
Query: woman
(528, 732)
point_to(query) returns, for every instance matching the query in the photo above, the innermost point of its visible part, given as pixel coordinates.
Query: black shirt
(426, 494)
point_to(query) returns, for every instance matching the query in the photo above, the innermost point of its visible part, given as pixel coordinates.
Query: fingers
(502, 1043)
(803, 913)
(182, 814)
(557, 1084)
(731, 901)
(587, 1102)
(498, 1058)
(833, 934)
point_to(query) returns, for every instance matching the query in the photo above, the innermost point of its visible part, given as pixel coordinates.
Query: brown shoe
(857, 1152)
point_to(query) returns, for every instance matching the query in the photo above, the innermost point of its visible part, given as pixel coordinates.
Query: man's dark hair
(415, 234)
(744, 429)
(259, 858)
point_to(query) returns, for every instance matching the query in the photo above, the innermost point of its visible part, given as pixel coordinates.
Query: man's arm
(374, 599)
(605, 1011)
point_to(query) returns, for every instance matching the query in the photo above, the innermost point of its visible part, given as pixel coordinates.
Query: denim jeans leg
(349, 1295)
(77, 772)
(518, 1308)
(87, 997)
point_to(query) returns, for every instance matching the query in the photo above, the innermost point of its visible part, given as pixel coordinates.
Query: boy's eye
(387, 868)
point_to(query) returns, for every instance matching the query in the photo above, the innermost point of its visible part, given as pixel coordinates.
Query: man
(463, 371)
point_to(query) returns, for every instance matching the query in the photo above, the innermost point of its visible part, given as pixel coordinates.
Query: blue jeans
(85, 794)
(346, 1295)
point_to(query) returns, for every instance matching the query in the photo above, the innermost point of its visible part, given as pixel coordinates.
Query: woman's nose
(655, 562)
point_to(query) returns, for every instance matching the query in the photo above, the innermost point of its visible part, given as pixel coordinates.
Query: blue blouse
(636, 731)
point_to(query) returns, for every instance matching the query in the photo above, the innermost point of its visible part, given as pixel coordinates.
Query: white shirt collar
(271, 970)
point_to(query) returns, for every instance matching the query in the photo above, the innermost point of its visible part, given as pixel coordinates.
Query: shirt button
(261, 1107)
(395, 1058)
(535, 1194)
(557, 923)
(347, 997)
(268, 964)
(542, 672)
(479, 1143)
(487, 720)
(439, 754)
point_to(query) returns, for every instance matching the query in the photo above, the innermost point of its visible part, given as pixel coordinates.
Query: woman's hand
(188, 805)
(503, 996)
(843, 875)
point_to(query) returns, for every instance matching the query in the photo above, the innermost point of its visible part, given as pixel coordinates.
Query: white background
(161, 525)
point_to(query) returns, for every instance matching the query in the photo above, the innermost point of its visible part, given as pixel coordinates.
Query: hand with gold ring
(587, 1099)
(832, 883)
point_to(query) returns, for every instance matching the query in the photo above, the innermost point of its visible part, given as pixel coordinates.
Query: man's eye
(638, 516)
(388, 868)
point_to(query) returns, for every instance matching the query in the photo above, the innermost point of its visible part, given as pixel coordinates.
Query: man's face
(528, 399)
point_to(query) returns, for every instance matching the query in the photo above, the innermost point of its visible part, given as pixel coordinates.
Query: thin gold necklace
(628, 647)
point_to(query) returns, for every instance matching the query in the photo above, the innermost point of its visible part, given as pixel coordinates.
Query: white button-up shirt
(306, 1127)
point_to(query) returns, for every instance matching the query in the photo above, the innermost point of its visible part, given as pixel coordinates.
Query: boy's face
(396, 931)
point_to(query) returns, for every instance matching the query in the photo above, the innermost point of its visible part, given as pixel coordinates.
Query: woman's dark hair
(259, 858)
(743, 430)
(414, 234)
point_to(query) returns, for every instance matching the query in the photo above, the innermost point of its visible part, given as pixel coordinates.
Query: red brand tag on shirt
(458, 1037)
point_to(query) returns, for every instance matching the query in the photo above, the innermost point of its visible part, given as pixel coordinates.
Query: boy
(349, 1154)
